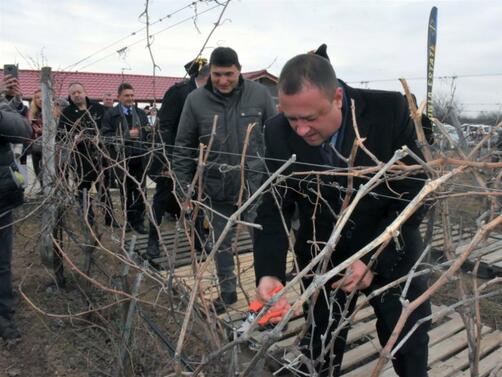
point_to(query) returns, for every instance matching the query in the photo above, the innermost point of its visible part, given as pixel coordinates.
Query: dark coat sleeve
(14, 128)
(169, 116)
(145, 125)
(107, 124)
(271, 260)
(99, 112)
(184, 163)
(63, 125)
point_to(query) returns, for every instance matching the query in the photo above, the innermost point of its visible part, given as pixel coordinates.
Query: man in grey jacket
(238, 103)
(14, 128)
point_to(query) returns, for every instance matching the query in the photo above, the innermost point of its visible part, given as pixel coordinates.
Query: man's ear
(278, 106)
(338, 100)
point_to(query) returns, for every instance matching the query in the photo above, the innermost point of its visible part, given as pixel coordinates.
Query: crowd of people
(233, 116)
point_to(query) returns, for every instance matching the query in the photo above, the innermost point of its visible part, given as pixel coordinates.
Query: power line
(152, 35)
(169, 15)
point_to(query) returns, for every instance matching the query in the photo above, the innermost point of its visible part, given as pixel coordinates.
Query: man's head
(107, 100)
(77, 94)
(310, 98)
(125, 94)
(193, 67)
(202, 76)
(225, 69)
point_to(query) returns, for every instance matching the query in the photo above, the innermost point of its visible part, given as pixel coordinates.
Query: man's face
(225, 79)
(126, 98)
(77, 94)
(311, 114)
(108, 100)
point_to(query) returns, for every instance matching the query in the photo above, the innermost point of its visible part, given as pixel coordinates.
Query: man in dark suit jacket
(124, 128)
(315, 119)
(169, 118)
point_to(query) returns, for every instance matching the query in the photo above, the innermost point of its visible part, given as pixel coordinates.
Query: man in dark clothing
(124, 129)
(239, 103)
(170, 114)
(315, 121)
(79, 123)
(13, 97)
(14, 128)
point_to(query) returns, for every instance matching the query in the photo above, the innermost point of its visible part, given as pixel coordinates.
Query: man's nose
(302, 128)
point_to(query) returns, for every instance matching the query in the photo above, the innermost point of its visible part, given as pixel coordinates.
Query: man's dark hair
(124, 86)
(308, 69)
(224, 57)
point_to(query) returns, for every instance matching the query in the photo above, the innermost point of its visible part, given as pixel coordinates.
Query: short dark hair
(124, 86)
(308, 69)
(224, 57)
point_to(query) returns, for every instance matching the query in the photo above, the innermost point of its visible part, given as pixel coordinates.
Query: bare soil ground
(57, 340)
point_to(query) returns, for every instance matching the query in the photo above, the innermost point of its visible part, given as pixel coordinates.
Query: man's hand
(187, 206)
(264, 293)
(358, 276)
(37, 129)
(10, 86)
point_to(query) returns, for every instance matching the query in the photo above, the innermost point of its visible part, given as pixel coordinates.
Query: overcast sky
(367, 40)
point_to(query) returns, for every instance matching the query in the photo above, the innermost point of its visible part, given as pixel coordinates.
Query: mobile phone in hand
(10, 69)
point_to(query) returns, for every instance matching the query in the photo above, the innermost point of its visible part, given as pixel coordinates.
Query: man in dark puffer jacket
(13, 129)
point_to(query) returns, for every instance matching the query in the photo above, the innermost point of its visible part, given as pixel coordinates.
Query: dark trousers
(6, 293)
(131, 191)
(163, 201)
(36, 159)
(103, 186)
(224, 258)
(409, 361)
(87, 169)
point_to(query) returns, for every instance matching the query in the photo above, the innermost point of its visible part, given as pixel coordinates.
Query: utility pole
(49, 212)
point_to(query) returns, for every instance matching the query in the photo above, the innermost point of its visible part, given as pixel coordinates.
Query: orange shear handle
(255, 306)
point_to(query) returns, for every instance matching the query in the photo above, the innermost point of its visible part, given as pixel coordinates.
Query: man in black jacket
(79, 124)
(169, 115)
(14, 128)
(124, 128)
(315, 121)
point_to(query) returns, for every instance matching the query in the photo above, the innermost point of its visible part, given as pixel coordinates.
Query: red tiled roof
(255, 75)
(96, 84)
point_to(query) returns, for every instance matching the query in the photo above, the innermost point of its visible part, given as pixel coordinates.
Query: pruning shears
(254, 308)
